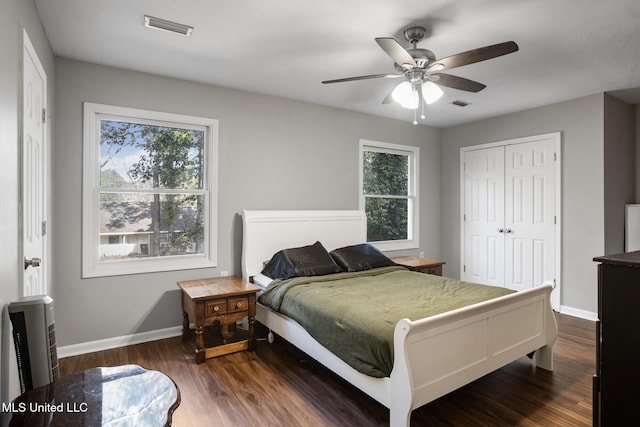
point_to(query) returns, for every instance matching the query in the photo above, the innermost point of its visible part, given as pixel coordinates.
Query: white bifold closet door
(510, 215)
(484, 216)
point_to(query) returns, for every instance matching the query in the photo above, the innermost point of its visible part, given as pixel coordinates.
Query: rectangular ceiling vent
(460, 103)
(164, 25)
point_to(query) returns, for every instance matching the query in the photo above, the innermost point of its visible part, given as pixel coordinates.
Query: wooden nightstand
(421, 265)
(220, 302)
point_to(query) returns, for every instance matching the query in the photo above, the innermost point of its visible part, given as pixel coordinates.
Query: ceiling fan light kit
(405, 95)
(408, 94)
(421, 70)
(431, 92)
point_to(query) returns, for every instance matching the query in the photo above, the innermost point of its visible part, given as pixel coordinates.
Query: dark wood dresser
(615, 383)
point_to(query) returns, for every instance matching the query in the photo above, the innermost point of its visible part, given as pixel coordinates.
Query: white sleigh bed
(432, 356)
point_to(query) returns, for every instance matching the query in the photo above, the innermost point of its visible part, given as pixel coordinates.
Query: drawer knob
(216, 308)
(239, 305)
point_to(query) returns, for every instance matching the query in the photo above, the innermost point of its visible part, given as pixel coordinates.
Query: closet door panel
(484, 216)
(529, 214)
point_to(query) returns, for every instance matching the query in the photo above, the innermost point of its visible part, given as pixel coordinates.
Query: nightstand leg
(185, 326)
(251, 339)
(200, 354)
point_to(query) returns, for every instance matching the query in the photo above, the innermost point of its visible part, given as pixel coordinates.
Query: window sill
(120, 268)
(396, 245)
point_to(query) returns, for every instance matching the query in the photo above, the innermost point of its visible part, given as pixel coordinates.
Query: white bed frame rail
(432, 356)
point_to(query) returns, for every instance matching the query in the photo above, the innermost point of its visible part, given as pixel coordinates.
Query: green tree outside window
(150, 177)
(386, 193)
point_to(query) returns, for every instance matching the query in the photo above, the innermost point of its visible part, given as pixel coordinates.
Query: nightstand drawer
(238, 304)
(437, 270)
(216, 307)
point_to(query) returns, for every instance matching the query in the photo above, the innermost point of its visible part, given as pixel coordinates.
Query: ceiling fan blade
(457, 82)
(388, 99)
(395, 50)
(474, 55)
(371, 76)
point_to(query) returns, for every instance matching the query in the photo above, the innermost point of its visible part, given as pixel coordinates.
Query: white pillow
(262, 281)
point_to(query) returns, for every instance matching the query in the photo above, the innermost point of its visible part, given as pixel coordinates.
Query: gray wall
(619, 170)
(14, 15)
(637, 146)
(273, 154)
(636, 112)
(581, 123)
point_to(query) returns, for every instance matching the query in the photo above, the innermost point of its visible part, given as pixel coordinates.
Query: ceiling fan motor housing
(422, 57)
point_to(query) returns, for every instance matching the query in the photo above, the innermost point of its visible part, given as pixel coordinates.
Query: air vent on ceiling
(162, 24)
(460, 103)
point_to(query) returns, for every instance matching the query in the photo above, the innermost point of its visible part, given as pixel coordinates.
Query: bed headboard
(267, 232)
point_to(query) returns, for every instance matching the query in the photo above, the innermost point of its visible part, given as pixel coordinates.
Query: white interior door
(33, 135)
(484, 216)
(530, 220)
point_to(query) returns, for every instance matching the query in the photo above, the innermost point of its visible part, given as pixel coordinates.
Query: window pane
(385, 174)
(150, 225)
(387, 219)
(141, 156)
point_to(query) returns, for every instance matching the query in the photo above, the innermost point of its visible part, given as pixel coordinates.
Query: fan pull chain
(418, 88)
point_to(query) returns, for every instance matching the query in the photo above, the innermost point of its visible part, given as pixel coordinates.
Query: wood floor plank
(277, 385)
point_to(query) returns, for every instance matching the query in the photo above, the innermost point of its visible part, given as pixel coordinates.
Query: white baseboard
(576, 312)
(109, 343)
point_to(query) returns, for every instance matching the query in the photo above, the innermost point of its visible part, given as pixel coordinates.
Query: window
(388, 194)
(149, 191)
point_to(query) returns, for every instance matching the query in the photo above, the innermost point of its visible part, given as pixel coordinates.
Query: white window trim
(91, 264)
(413, 241)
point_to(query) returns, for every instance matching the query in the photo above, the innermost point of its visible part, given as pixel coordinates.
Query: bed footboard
(439, 354)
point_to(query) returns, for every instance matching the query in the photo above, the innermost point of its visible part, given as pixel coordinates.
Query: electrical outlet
(421, 254)
(224, 273)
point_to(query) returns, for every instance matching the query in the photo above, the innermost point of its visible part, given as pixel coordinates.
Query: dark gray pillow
(360, 257)
(312, 260)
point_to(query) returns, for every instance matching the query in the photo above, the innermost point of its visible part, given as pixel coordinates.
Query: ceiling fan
(422, 71)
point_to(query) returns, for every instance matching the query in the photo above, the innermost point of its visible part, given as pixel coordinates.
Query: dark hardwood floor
(279, 386)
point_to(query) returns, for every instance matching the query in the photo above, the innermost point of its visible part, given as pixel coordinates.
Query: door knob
(507, 230)
(500, 229)
(33, 262)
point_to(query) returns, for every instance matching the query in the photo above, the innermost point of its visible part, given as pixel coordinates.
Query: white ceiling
(285, 48)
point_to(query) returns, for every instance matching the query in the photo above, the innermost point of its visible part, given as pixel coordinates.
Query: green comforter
(354, 314)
